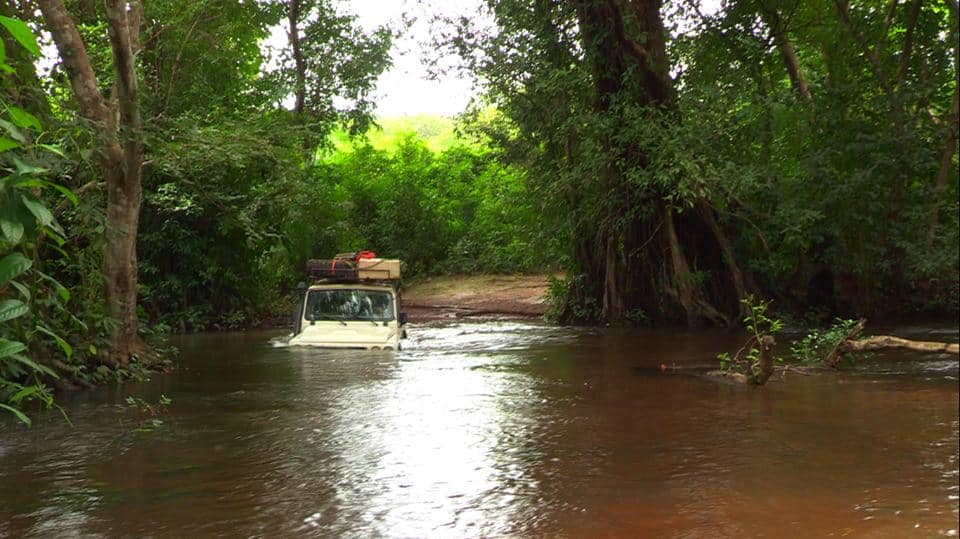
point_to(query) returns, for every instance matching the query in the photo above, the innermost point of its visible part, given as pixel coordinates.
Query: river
(497, 429)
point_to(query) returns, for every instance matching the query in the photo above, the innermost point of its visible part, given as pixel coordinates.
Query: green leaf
(30, 183)
(57, 248)
(24, 291)
(63, 344)
(54, 232)
(65, 191)
(21, 32)
(34, 365)
(61, 290)
(13, 265)
(22, 118)
(26, 392)
(23, 169)
(20, 415)
(52, 148)
(9, 348)
(8, 144)
(12, 230)
(13, 131)
(12, 308)
(38, 210)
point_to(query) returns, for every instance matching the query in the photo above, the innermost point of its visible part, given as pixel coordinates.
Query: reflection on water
(494, 429)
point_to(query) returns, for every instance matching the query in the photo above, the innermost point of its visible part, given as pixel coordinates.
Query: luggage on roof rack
(332, 269)
(355, 267)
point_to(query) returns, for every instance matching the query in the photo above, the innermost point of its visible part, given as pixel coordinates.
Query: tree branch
(124, 61)
(946, 167)
(779, 33)
(177, 62)
(907, 50)
(887, 22)
(843, 9)
(92, 105)
(293, 18)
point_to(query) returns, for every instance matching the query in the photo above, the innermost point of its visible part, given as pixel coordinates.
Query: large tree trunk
(774, 21)
(293, 19)
(124, 191)
(673, 265)
(119, 153)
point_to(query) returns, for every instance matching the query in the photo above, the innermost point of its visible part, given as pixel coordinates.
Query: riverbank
(476, 296)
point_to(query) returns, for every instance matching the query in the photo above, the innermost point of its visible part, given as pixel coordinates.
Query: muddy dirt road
(481, 296)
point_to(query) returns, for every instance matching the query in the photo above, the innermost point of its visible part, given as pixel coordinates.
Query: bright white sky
(406, 89)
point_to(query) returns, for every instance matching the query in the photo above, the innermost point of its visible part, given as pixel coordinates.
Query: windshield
(346, 304)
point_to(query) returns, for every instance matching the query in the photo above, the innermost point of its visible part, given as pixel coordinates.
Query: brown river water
(497, 429)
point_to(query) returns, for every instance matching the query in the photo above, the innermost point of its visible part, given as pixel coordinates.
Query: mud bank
(476, 296)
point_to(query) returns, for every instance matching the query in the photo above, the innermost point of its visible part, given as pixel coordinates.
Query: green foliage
(149, 413)
(453, 211)
(184, 75)
(759, 323)
(20, 32)
(39, 327)
(437, 133)
(817, 345)
(560, 306)
(233, 211)
(217, 200)
(27, 295)
(827, 203)
(25, 222)
(828, 200)
(839, 188)
(339, 64)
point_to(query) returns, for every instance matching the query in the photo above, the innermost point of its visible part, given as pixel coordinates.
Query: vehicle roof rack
(352, 269)
(334, 280)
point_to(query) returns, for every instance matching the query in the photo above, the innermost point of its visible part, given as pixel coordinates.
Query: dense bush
(454, 211)
(232, 212)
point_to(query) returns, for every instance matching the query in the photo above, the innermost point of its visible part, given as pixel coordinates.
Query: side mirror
(403, 318)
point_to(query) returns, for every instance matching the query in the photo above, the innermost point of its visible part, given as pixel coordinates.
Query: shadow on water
(493, 429)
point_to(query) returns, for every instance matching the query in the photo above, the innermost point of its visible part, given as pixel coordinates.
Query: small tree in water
(754, 359)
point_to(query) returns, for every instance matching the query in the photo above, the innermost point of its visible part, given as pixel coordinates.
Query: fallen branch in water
(753, 363)
(794, 369)
(880, 342)
(833, 358)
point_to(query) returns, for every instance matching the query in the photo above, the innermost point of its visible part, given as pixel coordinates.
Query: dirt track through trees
(484, 296)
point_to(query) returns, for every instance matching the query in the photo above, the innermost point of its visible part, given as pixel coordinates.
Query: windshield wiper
(328, 317)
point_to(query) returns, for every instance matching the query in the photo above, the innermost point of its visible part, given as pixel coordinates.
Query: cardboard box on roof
(378, 268)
